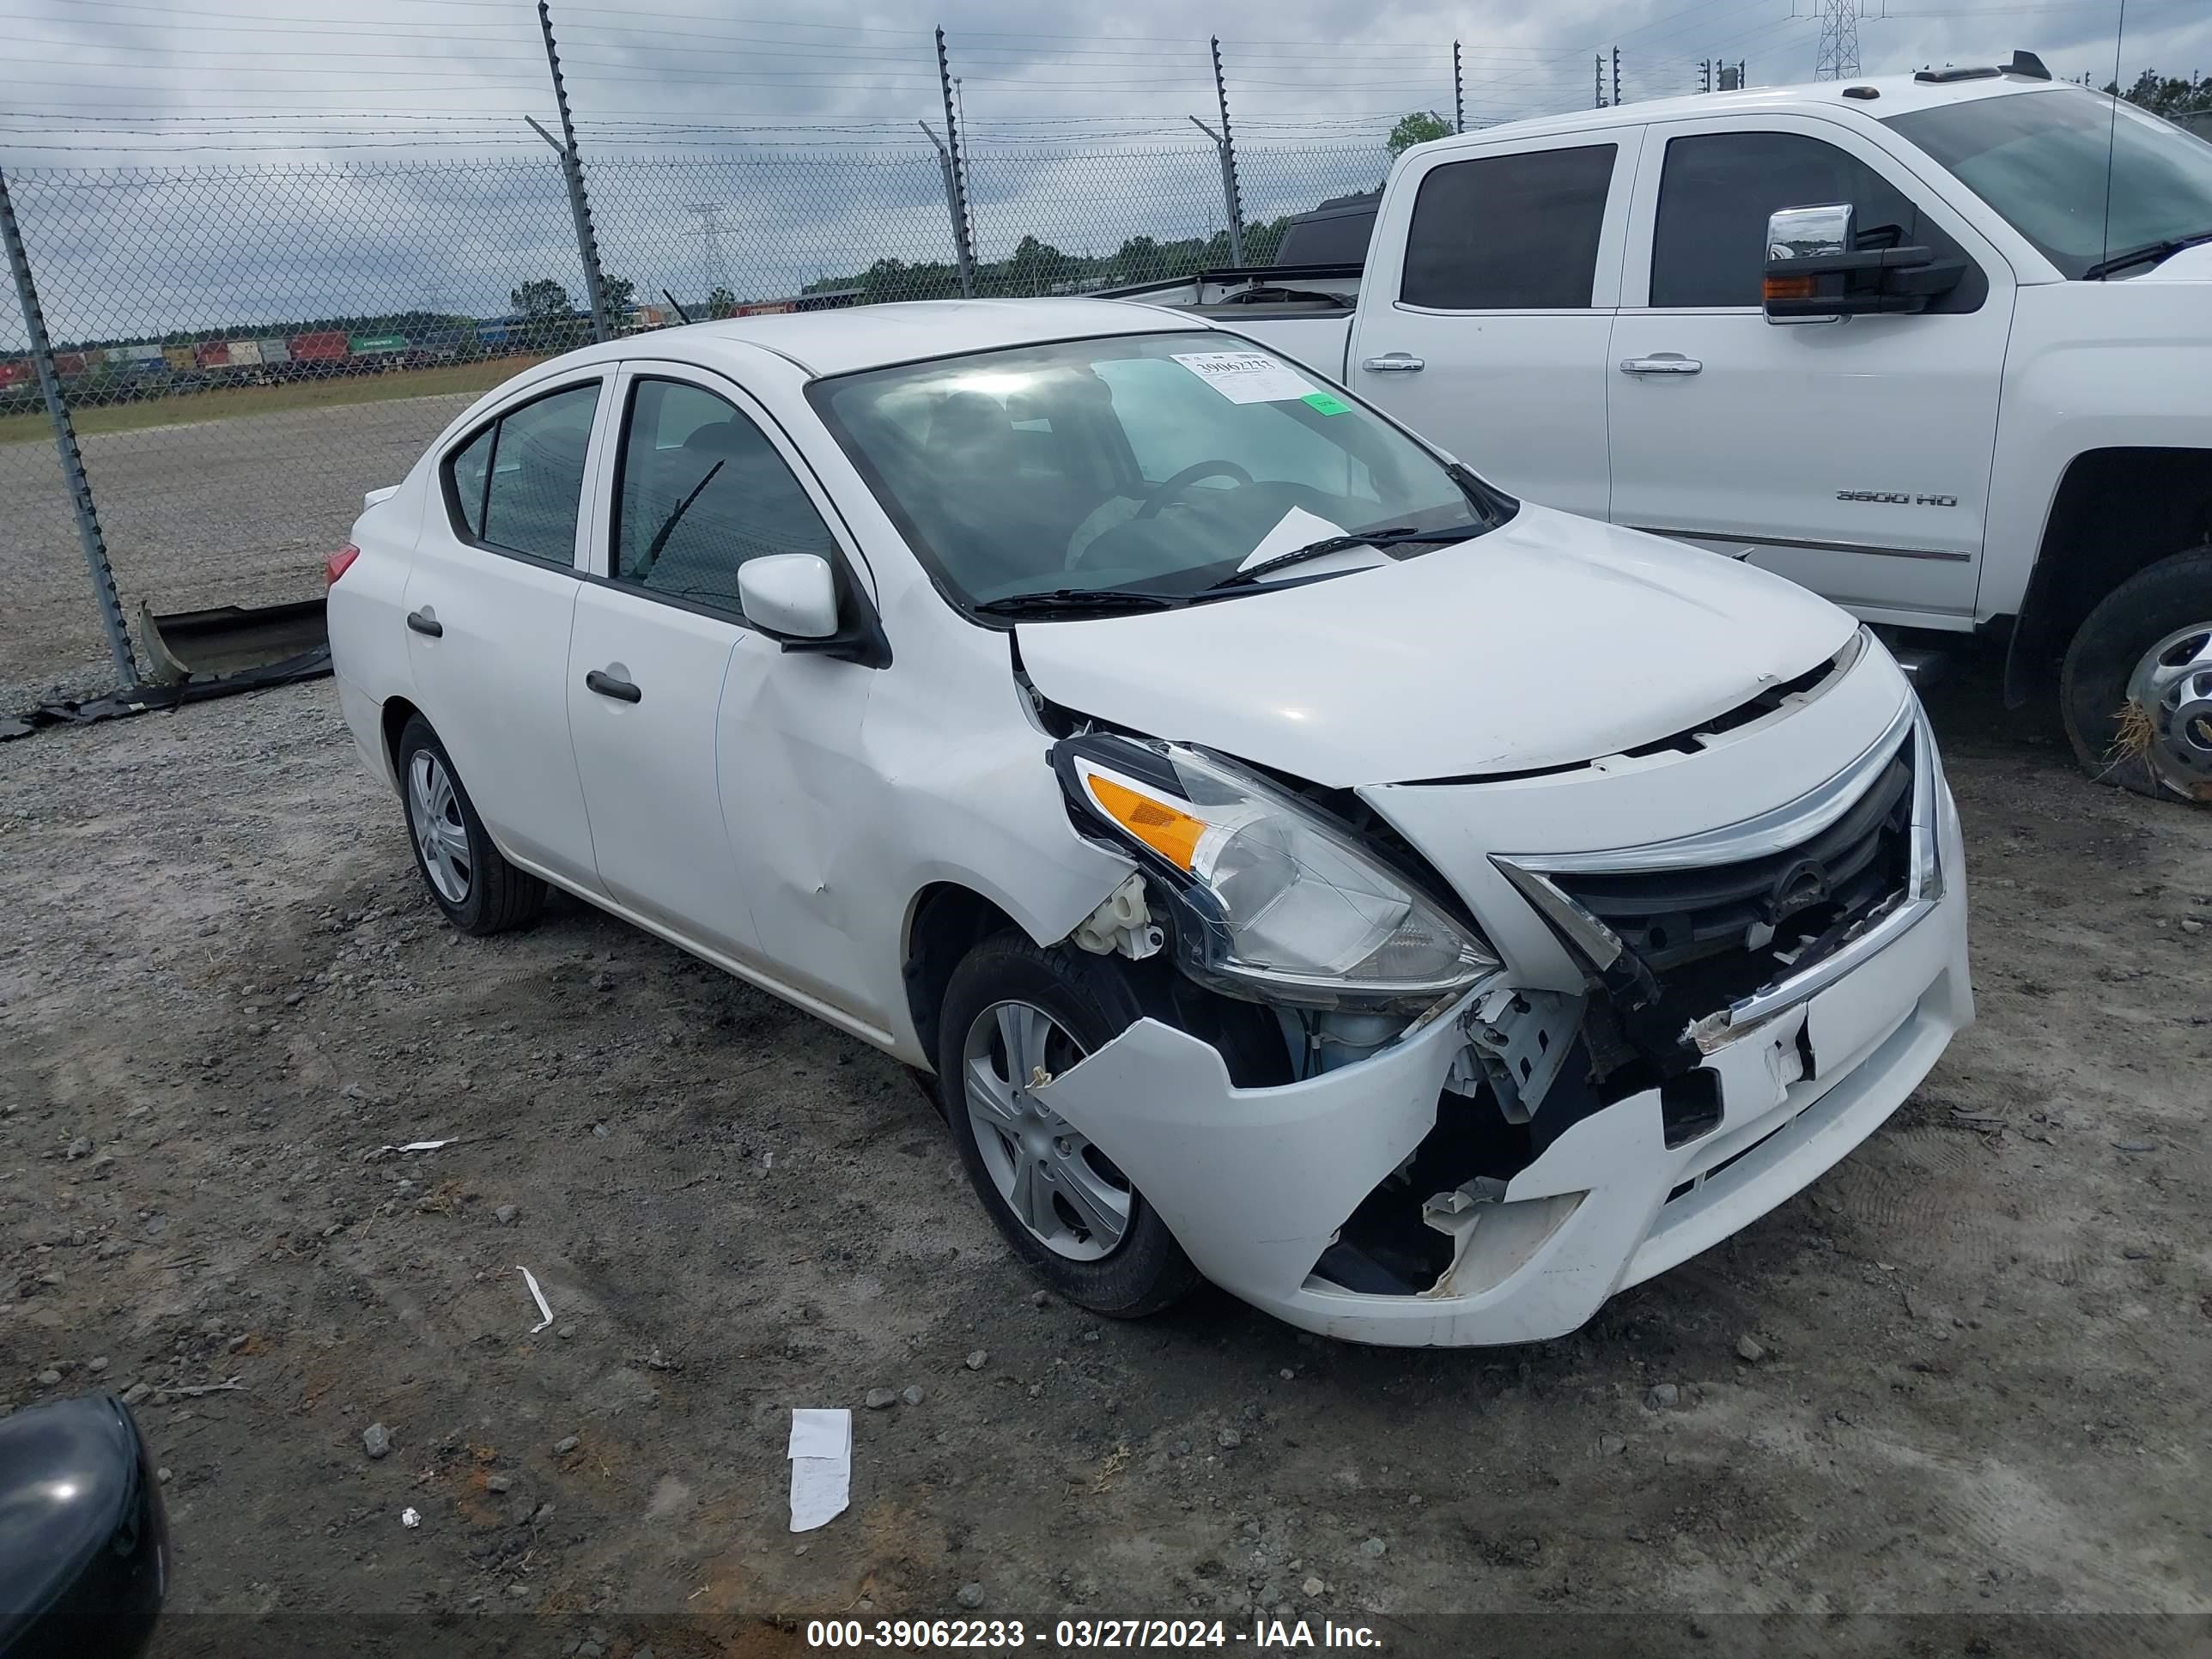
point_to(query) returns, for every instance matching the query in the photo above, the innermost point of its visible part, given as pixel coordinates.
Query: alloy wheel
(2172, 684)
(434, 812)
(1063, 1190)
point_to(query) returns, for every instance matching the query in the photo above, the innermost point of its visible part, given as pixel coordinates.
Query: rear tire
(480, 892)
(1074, 1003)
(2138, 676)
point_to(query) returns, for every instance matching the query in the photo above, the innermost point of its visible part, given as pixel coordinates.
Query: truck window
(1508, 233)
(1709, 240)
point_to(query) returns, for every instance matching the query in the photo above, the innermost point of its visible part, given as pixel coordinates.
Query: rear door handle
(1393, 362)
(1661, 362)
(608, 686)
(424, 623)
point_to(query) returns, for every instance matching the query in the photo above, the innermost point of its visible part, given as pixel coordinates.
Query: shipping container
(68, 364)
(212, 354)
(181, 358)
(245, 354)
(135, 354)
(376, 345)
(17, 371)
(325, 347)
(273, 351)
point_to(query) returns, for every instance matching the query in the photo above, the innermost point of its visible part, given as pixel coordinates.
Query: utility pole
(956, 172)
(88, 534)
(1459, 94)
(1616, 76)
(572, 168)
(1232, 196)
(1837, 54)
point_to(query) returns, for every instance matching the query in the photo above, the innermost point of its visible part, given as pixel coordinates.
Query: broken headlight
(1272, 902)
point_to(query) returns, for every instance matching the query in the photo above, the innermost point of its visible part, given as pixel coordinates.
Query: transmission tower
(710, 240)
(1838, 54)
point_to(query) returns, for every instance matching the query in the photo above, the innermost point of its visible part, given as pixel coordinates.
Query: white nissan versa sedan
(1419, 912)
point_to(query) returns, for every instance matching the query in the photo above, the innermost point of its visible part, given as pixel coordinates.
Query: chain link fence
(244, 350)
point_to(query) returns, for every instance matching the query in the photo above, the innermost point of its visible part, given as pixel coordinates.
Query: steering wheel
(1184, 480)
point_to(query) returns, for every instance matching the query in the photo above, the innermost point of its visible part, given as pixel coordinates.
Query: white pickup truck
(1938, 346)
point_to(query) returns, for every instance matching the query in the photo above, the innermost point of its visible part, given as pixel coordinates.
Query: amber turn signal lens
(1790, 287)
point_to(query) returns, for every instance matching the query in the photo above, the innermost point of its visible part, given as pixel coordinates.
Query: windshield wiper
(1076, 601)
(1401, 536)
(2148, 253)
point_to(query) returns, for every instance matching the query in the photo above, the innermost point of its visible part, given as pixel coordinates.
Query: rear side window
(1508, 233)
(518, 486)
(1709, 240)
(702, 491)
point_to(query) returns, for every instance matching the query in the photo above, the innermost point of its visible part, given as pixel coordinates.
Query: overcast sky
(1078, 119)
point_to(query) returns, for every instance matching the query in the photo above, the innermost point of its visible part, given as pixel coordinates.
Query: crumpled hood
(1552, 640)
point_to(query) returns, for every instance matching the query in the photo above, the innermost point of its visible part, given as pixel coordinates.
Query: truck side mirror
(1816, 271)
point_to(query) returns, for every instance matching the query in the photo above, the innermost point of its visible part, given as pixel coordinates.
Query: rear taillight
(338, 564)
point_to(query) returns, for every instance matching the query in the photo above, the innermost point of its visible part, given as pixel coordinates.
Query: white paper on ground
(538, 1297)
(1248, 377)
(821, 1453)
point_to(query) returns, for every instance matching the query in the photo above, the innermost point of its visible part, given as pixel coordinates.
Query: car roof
(1897, 95)
(844, 341)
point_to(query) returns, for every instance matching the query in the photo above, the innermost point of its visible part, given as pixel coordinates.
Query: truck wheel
(1011, 1011)
(2137, 691)
(480, 892)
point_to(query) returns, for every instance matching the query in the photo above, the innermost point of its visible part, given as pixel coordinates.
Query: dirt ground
(1982, 1388)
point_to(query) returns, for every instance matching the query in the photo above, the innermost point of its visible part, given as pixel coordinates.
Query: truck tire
(2136, 690)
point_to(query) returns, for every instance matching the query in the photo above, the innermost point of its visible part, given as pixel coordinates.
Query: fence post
(1600, 99)
(1459, 94)
(80, 488)
(952, 207)
(572, 169)
(1233, 199)
(956, 177)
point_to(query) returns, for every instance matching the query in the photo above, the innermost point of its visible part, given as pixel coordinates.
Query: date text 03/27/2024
(1005, 1636)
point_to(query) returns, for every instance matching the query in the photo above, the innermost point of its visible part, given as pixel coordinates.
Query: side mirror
(1816, 271)
(82, 1534)
(789, 596)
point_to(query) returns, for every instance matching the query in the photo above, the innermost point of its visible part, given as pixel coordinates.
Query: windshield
(1145, 464)
(2042, 159)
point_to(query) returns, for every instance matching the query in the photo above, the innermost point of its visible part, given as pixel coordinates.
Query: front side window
(1709, 240)
(2080, 177)
(1508, 233)
(701, 491)
(1173, 461)
(517, 485)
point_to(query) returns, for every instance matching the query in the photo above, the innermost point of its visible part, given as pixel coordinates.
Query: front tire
(480, 892)
(1011, 1011)
(2137, 691)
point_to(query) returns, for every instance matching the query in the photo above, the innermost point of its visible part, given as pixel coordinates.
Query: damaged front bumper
(1257, 1184)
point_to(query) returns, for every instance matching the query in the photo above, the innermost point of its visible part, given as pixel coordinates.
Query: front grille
(1715, 932)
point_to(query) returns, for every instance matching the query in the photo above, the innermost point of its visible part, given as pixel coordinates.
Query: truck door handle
(1661, 362)
(608, 686)
(424, 623)
(1392, 362)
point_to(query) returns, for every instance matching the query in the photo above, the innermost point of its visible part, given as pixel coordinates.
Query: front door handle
(1661, 362)
(608, 686)
(424, 623)
(1393, 362)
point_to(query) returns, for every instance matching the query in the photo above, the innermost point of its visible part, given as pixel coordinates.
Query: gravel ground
(1974, 1381)
(233, 512)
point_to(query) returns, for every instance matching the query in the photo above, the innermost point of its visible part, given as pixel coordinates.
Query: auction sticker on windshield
(1248, 377)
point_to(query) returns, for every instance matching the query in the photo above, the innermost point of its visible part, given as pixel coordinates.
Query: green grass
(228, 402)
